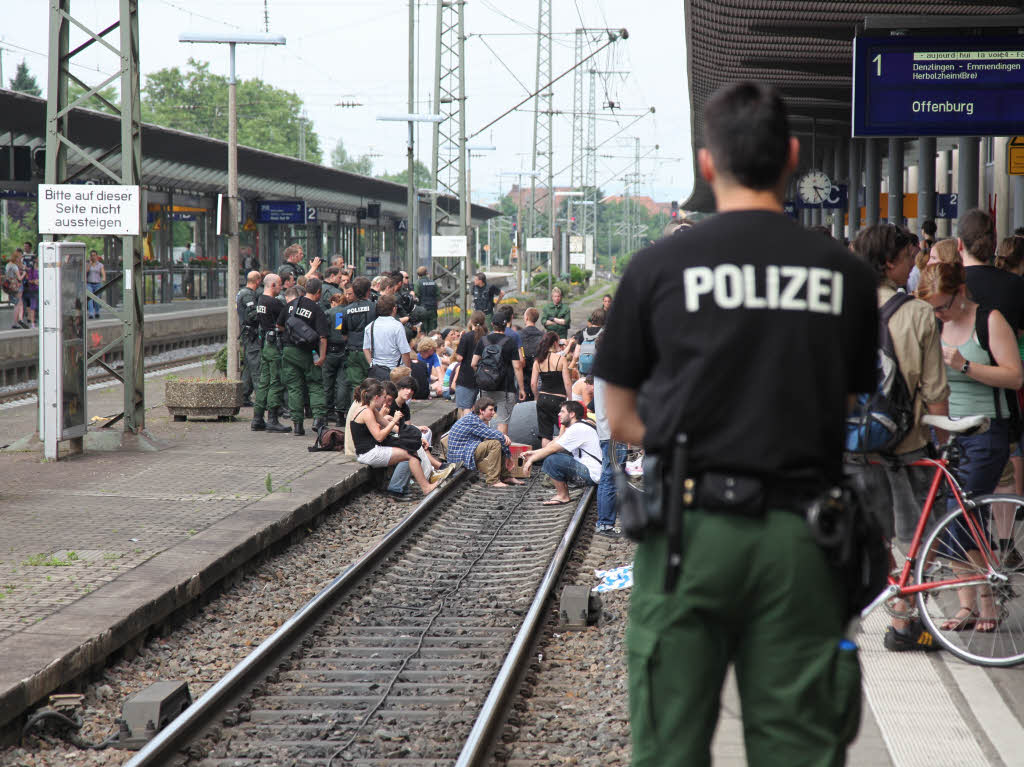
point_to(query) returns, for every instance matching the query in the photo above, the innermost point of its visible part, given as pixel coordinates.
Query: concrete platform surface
(96, 548)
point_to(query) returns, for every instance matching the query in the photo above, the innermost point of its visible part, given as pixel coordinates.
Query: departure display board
(919, 85)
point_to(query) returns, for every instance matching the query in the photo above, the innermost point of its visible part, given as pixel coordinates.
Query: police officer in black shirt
(335, 380)
(485, 296)
(305, 349)
(270, 391)
(358, 315)
(406, 299)
(330, 287)
(426, 292)
(248, 321)
(750, 353)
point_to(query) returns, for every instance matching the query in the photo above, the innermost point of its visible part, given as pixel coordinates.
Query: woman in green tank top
(976, 377)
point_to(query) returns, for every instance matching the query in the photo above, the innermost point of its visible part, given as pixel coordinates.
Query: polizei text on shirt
(785, 288)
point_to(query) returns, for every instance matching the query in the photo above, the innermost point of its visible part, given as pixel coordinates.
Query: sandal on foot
(965, 618)
(984, 625)
(556, 502)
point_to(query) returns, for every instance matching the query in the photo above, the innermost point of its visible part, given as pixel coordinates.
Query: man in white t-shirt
(575, 456)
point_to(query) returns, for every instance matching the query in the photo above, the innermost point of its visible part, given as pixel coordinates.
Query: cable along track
(393, 669)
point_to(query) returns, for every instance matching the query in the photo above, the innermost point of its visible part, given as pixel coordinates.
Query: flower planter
(203, 399)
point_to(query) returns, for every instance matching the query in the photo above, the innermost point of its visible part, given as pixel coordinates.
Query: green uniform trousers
(252, 349)
(270, 391)
(756, 592)
(356, 370)
(429, 319)
(335, 382)
(302, 378)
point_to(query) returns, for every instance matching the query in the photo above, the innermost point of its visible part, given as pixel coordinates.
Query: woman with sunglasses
(977, 378)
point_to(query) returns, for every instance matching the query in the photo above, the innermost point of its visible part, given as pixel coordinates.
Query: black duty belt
(336, 348)
(724, 491)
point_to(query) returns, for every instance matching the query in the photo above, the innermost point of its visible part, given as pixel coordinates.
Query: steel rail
(197, 716)
(32, 388)
(492, 715)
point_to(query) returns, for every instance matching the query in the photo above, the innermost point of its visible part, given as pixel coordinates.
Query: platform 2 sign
(281, 212)
(918, 85)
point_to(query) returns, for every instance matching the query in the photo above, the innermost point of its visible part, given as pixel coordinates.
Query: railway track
(409, 657)
(27, 394)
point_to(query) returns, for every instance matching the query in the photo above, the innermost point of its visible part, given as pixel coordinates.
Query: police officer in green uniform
(357, 316)
(248, 321)
(751, 355)
(305, 351)
(335, 381)
(555, 316)
(426, 292)
(269, 391)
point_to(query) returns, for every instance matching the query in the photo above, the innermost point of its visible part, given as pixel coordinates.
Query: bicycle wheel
(951, 554)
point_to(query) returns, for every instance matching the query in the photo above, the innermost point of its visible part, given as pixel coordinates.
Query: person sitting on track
(978, 377)
(550, 382)
(473, 442)
(575, 456)
(397, 488)
(370, 430)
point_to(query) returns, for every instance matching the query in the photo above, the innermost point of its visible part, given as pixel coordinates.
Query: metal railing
(165, 284)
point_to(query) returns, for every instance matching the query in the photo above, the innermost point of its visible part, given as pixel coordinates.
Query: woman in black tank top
(550, 379)
(370, 430)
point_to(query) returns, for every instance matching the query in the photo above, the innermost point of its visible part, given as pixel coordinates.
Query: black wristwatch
(965, 367)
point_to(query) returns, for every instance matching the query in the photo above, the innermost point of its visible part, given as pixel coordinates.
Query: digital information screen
(938, 86)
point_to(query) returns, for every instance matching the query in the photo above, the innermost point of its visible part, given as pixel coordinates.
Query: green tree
(24, 81)
(421, 175)
(109, 93)
(195, 100)
(342, 160)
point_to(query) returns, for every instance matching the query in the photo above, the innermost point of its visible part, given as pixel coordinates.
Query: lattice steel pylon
(589, 185)
(543, 116)
(449, 150)
(578, 144)
(58, 145)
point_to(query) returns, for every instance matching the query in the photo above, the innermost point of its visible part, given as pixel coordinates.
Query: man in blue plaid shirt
(473, 442)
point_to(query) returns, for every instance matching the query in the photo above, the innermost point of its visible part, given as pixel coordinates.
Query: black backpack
(492, 368)
(1005, 400)
(881, 419)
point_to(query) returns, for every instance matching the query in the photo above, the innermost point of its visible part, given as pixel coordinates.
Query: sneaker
(915, 638)
(23, 324)
(442, 474)
(609, 531)
(635, 468)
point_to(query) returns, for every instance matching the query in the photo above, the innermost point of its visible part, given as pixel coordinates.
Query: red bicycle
(966, 574)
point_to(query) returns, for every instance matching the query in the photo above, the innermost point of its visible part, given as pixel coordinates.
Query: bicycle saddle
(968, 424)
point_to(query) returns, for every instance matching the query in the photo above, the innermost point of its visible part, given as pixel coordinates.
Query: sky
(357, 51)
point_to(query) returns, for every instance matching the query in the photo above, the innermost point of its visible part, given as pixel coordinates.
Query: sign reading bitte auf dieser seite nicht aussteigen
(89, 209)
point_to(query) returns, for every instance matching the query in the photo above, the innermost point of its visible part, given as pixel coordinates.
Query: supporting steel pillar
(872, 180)
(840, 171)
(64, 167)
(449, 145)
(543, 117)
(895, 181)
(1018, 201)
(943, 185)
(853, 175)
(925, 180)
(967, 183)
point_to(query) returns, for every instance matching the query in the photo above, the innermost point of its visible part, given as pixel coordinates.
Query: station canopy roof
(803, 47)
(194, 165)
